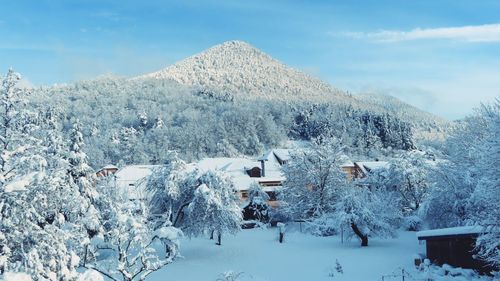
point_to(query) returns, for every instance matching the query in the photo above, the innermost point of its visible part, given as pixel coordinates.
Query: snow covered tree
(42, 227)
(366, 212)
(40, 208)
(17, 143)
(214, 207)
(171, 188)
(257, 206)
(484, 203)
(466, 189)
(447, 202)
(197, 204)
(313, 179)
(409, 175)
(80, 171)
(456, 176)
(128, 249)
(143, 120)
(129, 146)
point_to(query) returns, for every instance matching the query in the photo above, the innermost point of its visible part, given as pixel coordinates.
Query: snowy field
(257, 253)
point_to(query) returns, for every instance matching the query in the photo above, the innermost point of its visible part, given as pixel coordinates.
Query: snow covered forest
(138, 121)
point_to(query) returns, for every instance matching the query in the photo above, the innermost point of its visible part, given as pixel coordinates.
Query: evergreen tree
(80, 171)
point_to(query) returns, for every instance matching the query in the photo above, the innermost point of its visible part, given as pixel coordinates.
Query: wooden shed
(454, 246)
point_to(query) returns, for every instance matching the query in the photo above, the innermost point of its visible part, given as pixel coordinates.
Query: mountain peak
(240, 69)
(235, 44)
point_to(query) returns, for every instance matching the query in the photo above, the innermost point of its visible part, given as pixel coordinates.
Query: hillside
(427, 125)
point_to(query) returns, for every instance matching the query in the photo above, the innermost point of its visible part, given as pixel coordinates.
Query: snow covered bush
(336, 269)
(412, 223)
(449, 273)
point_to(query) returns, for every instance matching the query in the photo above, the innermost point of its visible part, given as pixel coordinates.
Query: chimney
(263, 168)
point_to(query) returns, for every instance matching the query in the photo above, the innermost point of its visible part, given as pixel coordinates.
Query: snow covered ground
(257, 253)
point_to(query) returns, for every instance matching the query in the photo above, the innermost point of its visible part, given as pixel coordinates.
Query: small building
(132, 180)
(106, 171)
(363, 169)
(454, 246)
(350, 169)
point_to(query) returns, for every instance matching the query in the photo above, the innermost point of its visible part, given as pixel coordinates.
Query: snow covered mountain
(240, 69)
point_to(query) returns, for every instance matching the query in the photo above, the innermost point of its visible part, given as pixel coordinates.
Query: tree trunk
(364, 238)
(212, 235)
(219, 238)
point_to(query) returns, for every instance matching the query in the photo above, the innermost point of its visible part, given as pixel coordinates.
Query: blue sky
(442, 56)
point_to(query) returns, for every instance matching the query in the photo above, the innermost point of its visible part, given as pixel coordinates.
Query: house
(132, 180)
(243, 172)
(363, 169)
(350, 169)
(454, 246)
(106, 171)
(265, 171)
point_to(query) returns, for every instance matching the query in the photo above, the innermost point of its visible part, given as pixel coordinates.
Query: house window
(244, 194)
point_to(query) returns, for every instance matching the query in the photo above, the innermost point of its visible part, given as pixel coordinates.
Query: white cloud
(471, 33)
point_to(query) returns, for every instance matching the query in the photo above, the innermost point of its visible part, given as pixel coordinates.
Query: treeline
(138, 121)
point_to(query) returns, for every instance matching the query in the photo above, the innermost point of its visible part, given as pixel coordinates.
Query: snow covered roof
(280, 154)
(452, 231)
(108, 167)
(369, 166)
(348, 164)
(134, 173)
(346, 161)
(283, 154)
(131, 179)
(237, 168)
(266, 156)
